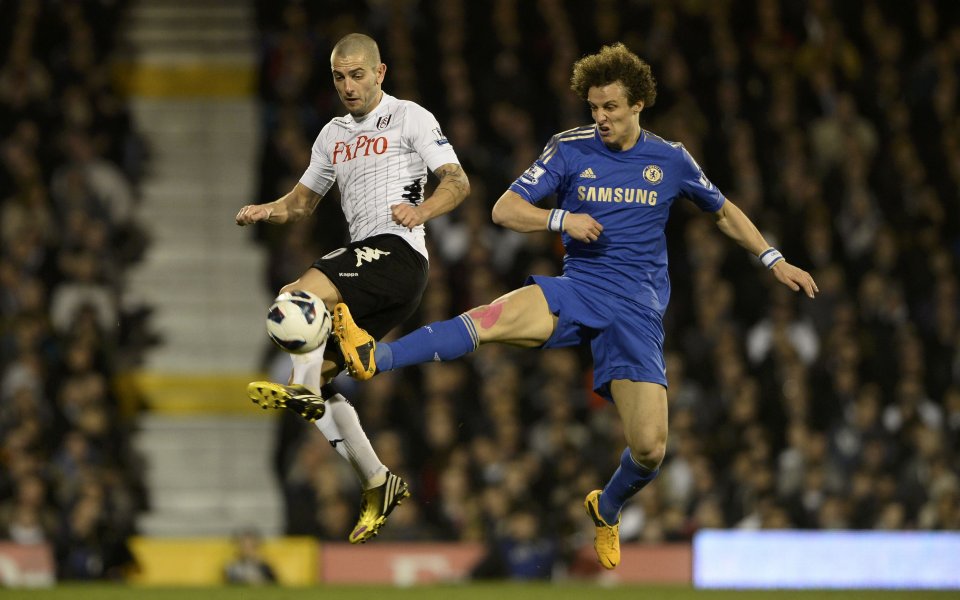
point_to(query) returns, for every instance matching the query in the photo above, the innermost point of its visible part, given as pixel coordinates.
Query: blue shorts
(626, 338)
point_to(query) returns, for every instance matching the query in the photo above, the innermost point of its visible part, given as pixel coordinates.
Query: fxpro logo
(362, 146)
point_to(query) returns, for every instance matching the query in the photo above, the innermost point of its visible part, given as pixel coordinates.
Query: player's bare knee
(648, 453)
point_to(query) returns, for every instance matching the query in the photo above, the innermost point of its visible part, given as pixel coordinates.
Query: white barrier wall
(826, 559)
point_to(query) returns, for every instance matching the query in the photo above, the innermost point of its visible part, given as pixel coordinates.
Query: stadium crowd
(69, 161)
(836, 126)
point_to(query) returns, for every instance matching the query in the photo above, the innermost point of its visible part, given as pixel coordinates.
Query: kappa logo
(368, 254)
(383, 121)
(588, 174)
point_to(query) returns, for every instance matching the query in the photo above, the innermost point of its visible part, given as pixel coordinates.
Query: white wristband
(555, 220)
(770, 257)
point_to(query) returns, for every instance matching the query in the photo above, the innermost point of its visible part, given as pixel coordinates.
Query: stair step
(191, 12)
(180, 56)
(187, 362)
(163, 193)
(208, 524)
(180, 4)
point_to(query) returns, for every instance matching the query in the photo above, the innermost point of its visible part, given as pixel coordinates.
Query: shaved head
(357, 73)
(357, 44)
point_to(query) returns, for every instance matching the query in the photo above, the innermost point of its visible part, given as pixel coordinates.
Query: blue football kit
(614, 291)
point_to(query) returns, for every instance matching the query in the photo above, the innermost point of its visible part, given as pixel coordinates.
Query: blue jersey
(630, 193)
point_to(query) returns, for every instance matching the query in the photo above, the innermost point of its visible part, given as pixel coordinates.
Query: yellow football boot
(296, 397)
(356, 345)
(606, 541)
(377, 503)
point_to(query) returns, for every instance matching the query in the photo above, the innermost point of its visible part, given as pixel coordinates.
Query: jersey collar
(635, 148)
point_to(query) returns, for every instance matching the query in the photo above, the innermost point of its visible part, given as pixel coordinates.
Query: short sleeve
(544, 175)
(695, 185)
(319, 175)
(424, 133)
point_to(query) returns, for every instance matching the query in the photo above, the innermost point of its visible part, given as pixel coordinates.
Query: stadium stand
(834, 125)
(68, 173)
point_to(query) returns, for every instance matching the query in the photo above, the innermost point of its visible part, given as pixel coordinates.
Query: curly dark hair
(615, 63)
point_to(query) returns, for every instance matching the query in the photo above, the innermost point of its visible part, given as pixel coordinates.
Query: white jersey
(379, 161)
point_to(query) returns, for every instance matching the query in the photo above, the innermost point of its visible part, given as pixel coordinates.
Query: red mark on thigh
(488, 315)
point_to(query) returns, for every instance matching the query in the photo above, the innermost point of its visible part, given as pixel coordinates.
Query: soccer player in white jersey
(378, 154)
(615, 184)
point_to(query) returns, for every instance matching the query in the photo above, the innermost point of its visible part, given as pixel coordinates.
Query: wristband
(770, 257)
(555, 220)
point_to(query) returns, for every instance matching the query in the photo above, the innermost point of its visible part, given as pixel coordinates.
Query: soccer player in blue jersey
(615, 184)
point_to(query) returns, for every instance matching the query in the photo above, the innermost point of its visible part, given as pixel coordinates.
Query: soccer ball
(298, 322)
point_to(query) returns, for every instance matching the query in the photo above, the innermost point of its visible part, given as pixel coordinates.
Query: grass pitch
(466, 591)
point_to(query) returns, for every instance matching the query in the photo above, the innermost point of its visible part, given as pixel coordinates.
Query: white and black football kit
(377, 162)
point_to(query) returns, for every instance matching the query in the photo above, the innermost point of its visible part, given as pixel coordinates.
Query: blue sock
(443, 340)
(628, 479)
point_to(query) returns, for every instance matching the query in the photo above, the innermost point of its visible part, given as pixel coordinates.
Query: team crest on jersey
(653, 174)
(383, 121)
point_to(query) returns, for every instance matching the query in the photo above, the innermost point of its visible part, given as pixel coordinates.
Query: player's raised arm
(738, 227)
(298, 203)
(514, 212)
(453, 188)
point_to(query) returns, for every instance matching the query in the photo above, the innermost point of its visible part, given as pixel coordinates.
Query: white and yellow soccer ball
(298, 322)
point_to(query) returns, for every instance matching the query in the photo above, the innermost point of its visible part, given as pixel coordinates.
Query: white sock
(340, 423)
(307, 368)
(353, 443)
(307, 371)
(328, 427)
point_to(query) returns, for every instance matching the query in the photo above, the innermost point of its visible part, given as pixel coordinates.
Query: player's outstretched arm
(298, 203)
(514, 212)
(453, 188)
(738, 227)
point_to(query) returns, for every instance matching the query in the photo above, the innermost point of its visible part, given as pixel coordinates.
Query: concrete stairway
(209, 475)
(189, 74)
(203, 276)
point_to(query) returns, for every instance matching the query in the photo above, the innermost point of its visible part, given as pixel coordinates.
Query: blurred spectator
(248, 567)
(28, 518)
(521, 551)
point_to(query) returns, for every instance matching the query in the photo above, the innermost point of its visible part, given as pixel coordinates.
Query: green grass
(472, 591)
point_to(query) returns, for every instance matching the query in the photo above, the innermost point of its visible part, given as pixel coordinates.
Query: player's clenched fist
(253, 213)
(582, 227)
(407, 215)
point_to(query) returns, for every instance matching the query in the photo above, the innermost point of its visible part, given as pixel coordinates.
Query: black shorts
(381, 279)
